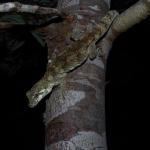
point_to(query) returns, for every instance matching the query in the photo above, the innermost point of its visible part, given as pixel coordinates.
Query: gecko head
(36, 97)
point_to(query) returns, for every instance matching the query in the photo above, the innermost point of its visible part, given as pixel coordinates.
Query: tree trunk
(76, 120)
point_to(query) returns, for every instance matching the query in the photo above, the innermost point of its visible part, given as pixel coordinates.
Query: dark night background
(126, 92)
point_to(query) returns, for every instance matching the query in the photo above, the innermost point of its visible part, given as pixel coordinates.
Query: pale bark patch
(60, 105)
(27, 8)
(83, 140)
(62, 145)
(97, 62)
(84, 82)
(6, 7)
(95, 7)
(87, 140)
(67, 3)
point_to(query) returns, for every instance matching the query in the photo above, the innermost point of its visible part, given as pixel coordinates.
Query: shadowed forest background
(126, 93)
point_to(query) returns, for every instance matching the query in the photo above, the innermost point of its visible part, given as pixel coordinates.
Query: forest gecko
(72, 56)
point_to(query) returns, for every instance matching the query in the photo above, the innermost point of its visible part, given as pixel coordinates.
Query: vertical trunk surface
(75, 120)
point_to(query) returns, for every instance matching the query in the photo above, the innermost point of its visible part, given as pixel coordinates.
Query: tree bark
(76, 120)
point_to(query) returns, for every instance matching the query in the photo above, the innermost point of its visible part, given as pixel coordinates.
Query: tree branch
(127, 19)
(39, 14)
(23, 8)
(131, 16)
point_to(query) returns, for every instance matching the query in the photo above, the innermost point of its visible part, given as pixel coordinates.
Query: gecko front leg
(92, 50)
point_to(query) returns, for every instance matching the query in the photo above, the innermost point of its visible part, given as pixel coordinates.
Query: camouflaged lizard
(72, 56)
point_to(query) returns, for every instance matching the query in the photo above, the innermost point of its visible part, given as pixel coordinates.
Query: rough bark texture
(76, 119)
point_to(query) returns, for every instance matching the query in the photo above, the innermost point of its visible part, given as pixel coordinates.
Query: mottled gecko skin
(73, 56)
